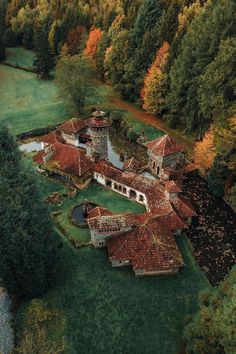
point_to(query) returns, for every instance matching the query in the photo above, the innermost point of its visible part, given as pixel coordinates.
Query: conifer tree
(217, 176)
(44, 60)
(217, 86)
(28, 243)
(198, 49)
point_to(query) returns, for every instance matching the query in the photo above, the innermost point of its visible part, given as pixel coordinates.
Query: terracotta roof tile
(131, 164)
(150, 248)
(73, 125)
(164, 146)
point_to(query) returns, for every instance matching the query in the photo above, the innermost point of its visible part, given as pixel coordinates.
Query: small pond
(80, 212)
(31, 147)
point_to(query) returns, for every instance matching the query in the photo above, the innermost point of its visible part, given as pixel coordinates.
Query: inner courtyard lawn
(108, 310)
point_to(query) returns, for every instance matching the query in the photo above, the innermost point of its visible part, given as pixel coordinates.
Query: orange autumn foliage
(151, 93)
(73, 41)
(92, 43)
(205, 152)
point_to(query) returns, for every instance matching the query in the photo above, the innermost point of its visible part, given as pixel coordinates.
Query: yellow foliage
(205, 152)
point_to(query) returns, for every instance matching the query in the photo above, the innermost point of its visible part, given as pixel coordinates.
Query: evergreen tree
(3, 9)
(28, 243)
(217, 86)
(101, 53)
(217, 176)
(213, 328)
(44, 60)
(143, 46)
(198, 49)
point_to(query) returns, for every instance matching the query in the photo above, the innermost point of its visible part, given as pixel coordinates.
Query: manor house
(78, 150)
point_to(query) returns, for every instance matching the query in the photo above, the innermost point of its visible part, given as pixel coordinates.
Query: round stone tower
(99, 131)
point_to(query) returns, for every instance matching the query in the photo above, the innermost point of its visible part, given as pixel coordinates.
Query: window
(141, 198)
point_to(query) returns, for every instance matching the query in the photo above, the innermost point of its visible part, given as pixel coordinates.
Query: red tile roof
(184, 207)
(98, 122)
(73, 125)
(164, 146)
(52, 138)
(172, 187)
(112, 221)
(68, 158)
(97, 212)
(150, 248)
(131, 164)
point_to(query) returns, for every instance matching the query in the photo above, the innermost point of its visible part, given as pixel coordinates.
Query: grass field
(20, 57)
(108, 310)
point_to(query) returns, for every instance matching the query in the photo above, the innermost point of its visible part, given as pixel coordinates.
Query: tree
(217, 86)
(205, 152)
(74, 41)
(101, 54)
(44, 60)
(197, 50)
(73, 80)
(153, 90)
(33, 330)
(9, 38)
(95, 36)
(28, 243)
(213, 327)
(3, 9)
(217, 176)
(143, 46)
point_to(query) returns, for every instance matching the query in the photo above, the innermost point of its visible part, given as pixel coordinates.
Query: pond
(80, 212)
(33, 146)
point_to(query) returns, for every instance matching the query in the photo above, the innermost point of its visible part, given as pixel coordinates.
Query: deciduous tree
(213, 327)
(73, 80)
(205, 152)
(153, 90)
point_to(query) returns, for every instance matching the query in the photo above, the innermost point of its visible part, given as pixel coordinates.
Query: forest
(173, 59)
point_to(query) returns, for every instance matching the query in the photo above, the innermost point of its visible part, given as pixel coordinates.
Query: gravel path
(6, 333)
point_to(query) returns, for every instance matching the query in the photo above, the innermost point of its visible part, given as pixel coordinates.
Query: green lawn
(138, 127)
(20, 57)
(108, 310)
(27, 102)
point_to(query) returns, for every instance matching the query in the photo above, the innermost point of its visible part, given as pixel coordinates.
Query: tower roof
(164, 146)
(97, 120)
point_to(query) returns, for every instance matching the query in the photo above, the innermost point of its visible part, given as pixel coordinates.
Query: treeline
(175, 58)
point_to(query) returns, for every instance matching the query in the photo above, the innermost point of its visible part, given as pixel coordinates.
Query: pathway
(6, 333)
